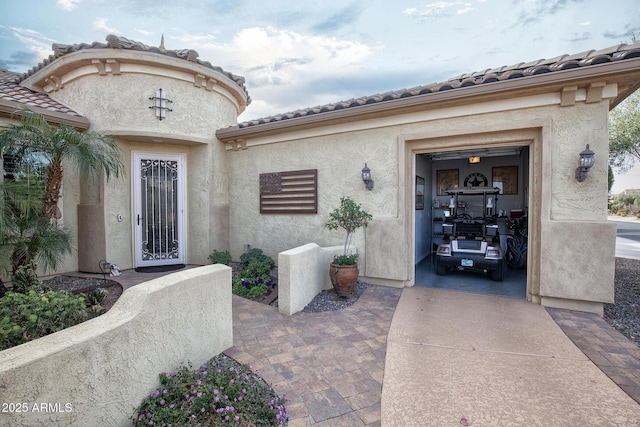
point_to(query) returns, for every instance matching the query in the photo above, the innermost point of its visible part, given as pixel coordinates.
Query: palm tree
(25, 235)
(35, 138)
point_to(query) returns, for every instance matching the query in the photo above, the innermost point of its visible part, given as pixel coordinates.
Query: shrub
(25, 317)
(220, 257)
(256, 287)
(256, 255)
(253, 280)
(257, 267)
(96, 296)
(345, 259)
(221, 392)
(25, 279)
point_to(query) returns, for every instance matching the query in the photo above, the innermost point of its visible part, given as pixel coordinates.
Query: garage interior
(506, 168)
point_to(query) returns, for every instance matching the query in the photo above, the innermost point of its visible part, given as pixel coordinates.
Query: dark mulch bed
(77, 285)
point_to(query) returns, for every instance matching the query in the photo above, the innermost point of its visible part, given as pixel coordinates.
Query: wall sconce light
(585, 163)
(474, 159)
(366, 177)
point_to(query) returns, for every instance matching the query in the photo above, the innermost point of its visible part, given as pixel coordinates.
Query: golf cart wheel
(498, 273)
(441, 270)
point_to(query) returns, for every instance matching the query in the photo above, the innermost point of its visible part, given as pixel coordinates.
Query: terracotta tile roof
(521, 70)
(11, 92)
(116, 42)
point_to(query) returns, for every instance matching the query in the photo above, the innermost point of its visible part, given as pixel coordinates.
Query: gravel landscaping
(624, 315)
(328, 299)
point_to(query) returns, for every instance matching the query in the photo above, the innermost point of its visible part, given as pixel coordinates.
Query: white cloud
(68, 5)
(101, 24)
(435, 9)
(466, 9)
(34, 41)
(585, 24)
(276, 62)
(282, 57)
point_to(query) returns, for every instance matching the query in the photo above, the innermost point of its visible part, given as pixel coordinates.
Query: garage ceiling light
(483, 152)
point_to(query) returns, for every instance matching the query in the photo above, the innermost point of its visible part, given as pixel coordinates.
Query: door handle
(139, 218)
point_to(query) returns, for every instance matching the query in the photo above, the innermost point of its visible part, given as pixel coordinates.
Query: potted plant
(343, 270)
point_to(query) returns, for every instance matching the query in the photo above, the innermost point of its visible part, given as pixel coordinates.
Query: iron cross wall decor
(160, 104)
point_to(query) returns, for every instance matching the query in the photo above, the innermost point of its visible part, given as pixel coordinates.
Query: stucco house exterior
(197, 180)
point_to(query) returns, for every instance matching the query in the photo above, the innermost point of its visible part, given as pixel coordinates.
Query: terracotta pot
(343, 278)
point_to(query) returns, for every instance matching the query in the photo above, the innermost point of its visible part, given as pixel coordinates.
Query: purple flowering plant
(253, 278)
(220, 393)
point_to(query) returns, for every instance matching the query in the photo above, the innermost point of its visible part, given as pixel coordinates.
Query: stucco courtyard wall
(97, 372)
(303, 273)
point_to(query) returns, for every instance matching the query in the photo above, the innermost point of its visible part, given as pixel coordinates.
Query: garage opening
(471, 220)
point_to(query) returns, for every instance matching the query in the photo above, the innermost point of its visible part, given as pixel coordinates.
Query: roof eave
(593, 72)
(14, 109)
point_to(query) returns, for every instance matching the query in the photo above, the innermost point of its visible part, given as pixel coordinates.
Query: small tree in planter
(344, 269)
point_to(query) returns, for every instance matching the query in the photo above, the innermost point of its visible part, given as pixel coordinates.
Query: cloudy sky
(301, 54)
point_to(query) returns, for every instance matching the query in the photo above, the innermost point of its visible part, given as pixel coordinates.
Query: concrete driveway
(457, 358)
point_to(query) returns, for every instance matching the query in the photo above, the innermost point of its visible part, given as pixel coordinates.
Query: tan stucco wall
(104, 367)
(303, 273)
(339, 159)
(118, 105)
(556, 134)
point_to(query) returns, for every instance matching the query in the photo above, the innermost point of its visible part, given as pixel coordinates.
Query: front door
(158, 209)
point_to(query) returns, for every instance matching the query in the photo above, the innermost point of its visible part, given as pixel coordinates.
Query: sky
(302, 54)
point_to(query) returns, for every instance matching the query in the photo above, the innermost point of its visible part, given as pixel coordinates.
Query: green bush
(255, 255)
(257, 267)
(253, 280)
(220, 257)
(345, 259)
(256, 287)
(25, 279)
(96, 296)
(221, 392)
(25, 317)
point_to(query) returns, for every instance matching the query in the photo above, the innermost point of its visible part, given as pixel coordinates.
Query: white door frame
(158, 225)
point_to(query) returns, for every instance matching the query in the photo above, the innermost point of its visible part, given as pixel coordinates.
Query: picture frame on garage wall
(419, 192)
(508, 176)
(446, 178)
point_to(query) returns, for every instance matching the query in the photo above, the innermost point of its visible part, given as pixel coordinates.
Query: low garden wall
(303, 272)
(97, 372)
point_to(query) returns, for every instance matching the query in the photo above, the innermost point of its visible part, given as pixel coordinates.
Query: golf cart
(471, 244)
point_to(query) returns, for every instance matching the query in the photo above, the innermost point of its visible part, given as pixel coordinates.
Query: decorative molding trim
(100, 66)
(568, 98)
(594, 92)
(114, 66)
(55, 82)
(210, 84)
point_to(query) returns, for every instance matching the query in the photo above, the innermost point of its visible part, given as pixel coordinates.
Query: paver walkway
(328, 365)
(607, 348)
